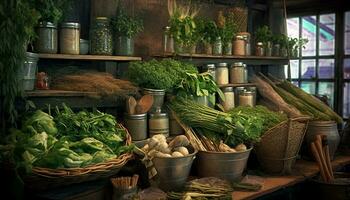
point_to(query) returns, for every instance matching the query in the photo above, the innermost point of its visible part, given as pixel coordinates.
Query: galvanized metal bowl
(173, 172)
(225, 165)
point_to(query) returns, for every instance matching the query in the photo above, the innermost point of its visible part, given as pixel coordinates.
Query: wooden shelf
(89, 57)
(237, 85)
(58, 93)
(302, 171)
(251, 60)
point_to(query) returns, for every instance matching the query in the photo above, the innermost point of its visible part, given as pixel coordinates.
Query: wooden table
(302, 171)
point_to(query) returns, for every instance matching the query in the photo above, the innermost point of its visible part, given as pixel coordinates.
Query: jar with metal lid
(47, 38)
(238, 73)
(158, 123)
(259, 49)
(168, 41)
(239, 46)
(246, 98)
(217, 46)
(211, 69)
(101, 42)
(221, 73)
(227, 48)
(246, 37)
(136, 125)
(70, 38)
(268, 49)
(229, 98)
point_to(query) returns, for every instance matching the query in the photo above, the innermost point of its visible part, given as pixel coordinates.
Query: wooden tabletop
(302, 170)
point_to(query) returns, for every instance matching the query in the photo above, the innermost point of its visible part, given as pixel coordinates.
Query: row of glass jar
(222, 74)
(238, 96)
(271, 50)
(101, 39)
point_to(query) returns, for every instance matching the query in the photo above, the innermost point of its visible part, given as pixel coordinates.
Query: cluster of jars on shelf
(157, 121)
(236, 73)
(101, 39)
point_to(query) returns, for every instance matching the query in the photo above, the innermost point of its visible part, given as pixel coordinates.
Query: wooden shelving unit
(237, 85)
(89, 57)
(302, 171)
(251, 60)
(58, 93)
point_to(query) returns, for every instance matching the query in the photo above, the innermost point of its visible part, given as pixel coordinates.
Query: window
(314, 71)
(346, 66)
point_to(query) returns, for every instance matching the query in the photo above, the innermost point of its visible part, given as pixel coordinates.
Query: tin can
(70, 38)
(158, 123)
(136, 125)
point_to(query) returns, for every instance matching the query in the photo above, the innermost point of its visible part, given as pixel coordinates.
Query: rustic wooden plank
(58, 93)
(302, 171)
(89, 57)
(237, 85)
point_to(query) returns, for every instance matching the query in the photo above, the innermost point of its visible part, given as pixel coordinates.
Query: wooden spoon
(131, 105)
(144, 104)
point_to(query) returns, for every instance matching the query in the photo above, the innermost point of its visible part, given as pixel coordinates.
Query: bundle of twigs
(102, 84)
(125, 182)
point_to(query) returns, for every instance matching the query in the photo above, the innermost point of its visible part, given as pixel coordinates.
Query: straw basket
(279, 146)
(43, 178)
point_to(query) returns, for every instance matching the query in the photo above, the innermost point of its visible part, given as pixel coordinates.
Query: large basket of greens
(67, 148)
(280, 145)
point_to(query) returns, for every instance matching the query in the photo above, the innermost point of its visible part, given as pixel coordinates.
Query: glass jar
(246, 37)
(238, 73)
(137, 126)
(47, 38)
(168, 41)
(211, 69)
(268, 49)
(221, 73)
(259, 49)
(276, 50)
(246, 98)
(101, 37)
(70, 38)
(229, 102)
(227, 48)
(239, 46)
(158, 123)
(217, 46)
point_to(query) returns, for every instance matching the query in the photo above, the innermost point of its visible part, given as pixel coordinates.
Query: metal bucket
(338, 190)
(158, 98)
(173, 172)
(229, 166)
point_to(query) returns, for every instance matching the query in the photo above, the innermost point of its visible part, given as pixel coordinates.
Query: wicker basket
(280, 145)
(44, 178)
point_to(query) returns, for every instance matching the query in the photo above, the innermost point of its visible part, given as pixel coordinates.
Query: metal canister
(158, 123)
(221, 73)
(238, 73)
(211, 69)
(70, 38)
(137, 126)
(47, 38)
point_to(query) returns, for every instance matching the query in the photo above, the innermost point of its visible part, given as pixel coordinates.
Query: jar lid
(222, 65)
(227, 89)
(32, 56)
(101, 18)
(47, 25)
(157, 115)
(209, 66)
(136, 116)
(259, 44)
(239, 37)
(167, 28)
(240, 88)
(237, 64)
(248, 92)
(70, 25)
(153, 91)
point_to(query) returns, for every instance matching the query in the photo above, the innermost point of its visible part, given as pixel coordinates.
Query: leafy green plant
(126, 25)
(199, 85)
(263, 34)
(184, 31)
(302, 42)
(229, 30)
(207, 30)
(165, 74)
(51, 10)
(281, 39)
(17, 22)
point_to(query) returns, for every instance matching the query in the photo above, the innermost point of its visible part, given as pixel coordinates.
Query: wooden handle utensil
(318, 159)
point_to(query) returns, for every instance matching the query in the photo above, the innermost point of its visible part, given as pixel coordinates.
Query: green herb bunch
(51, 10)
(282, 40)
(126, 25)
(263, 34)
(229, 30)
(199, 85)
(208, 30)
(165, 74)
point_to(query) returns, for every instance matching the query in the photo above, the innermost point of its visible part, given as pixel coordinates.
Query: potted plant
(51, 12)
(183, 27)
(157, 77)
(264, 35)
(300, 44)
(208, 32)
(293, 47)
(227, 32)
(126, 28)
(200, 87)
